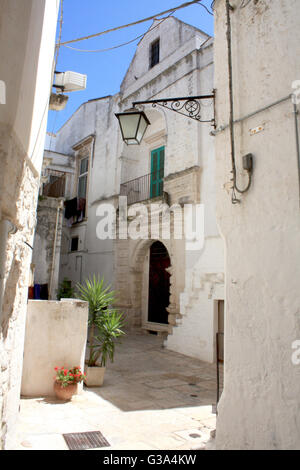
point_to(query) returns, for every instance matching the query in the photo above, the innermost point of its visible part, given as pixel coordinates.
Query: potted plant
(65, 290)
(105, 325)
(66, 382)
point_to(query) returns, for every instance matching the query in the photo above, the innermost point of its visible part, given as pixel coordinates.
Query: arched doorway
(159, 284)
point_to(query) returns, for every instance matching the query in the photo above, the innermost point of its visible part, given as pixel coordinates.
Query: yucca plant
(109, 326)
(105, 323)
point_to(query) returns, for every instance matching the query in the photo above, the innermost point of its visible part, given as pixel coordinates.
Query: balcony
(56, 185)
(143, 188)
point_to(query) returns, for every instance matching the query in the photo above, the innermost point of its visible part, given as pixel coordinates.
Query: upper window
(83, 177)
(154, 53)
(74, 244)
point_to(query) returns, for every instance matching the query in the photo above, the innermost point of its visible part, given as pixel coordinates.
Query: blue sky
(106, 70)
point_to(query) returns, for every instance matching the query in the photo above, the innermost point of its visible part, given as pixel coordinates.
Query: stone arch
(139, 254)
(159, 124)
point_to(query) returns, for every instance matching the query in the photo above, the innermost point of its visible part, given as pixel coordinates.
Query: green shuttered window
(157, 172)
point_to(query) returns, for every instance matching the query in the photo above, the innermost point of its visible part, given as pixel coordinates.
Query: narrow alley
(151, 399)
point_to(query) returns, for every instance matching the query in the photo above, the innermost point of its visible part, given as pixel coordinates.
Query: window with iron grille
(154, 53)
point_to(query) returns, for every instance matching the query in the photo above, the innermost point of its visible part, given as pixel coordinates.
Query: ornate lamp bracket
(189, 106)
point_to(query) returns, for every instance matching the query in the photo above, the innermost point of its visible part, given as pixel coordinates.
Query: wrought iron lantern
(133, 124)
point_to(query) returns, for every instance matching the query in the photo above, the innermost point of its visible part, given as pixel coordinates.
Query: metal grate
(85, 440)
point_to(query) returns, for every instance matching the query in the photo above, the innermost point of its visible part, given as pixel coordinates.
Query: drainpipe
(59, 207)
(6, 228)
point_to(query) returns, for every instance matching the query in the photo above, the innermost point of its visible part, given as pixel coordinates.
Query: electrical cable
(123, 44)
(204, 6)
(26, 243)
(183, 5)
(61, 20)
(234, 199)
(52, 133)
(57, 48)
(40, 128)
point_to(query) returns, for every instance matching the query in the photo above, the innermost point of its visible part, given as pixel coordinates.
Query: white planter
(94, 376)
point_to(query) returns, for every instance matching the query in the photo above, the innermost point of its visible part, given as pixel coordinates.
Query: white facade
(185, 68)
(259, 408)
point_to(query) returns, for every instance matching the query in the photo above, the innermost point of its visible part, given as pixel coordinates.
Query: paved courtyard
(152, 399)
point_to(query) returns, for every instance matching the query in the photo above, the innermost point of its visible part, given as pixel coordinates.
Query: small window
(154, 53)
(74, 244)
(82, 177)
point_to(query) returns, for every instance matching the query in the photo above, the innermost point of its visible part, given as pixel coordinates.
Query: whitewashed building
(161, 286)
(259, 407)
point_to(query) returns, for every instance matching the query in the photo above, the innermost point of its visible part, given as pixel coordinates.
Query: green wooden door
(157, 172)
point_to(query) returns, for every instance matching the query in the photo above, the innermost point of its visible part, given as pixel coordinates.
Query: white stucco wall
(259, 408)
(177, 39)
(195, 335)
(55, 336)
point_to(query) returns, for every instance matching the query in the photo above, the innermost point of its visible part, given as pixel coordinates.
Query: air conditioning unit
(70, 81)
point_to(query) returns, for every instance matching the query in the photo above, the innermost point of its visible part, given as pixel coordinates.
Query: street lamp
(133, 124)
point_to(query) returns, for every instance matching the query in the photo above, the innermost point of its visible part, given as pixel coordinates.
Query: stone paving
(152, 399)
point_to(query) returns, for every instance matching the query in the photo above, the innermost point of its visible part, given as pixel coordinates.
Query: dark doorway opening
(159, 284)
(220, 335)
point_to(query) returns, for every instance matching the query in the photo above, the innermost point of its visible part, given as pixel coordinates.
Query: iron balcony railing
(143, 188)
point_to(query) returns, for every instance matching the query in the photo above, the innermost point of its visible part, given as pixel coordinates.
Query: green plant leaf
(106, 322)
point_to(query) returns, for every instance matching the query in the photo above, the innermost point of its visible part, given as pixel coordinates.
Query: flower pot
(94, 376)
(65, 393)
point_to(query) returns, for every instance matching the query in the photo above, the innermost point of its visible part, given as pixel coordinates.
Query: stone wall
(46, 256)
(24, 182)
(27, 39)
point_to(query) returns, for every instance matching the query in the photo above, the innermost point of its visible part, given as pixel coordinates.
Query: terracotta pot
(94, 376)
(65, 393)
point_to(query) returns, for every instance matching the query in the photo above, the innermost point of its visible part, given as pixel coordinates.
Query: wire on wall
(235, 187)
